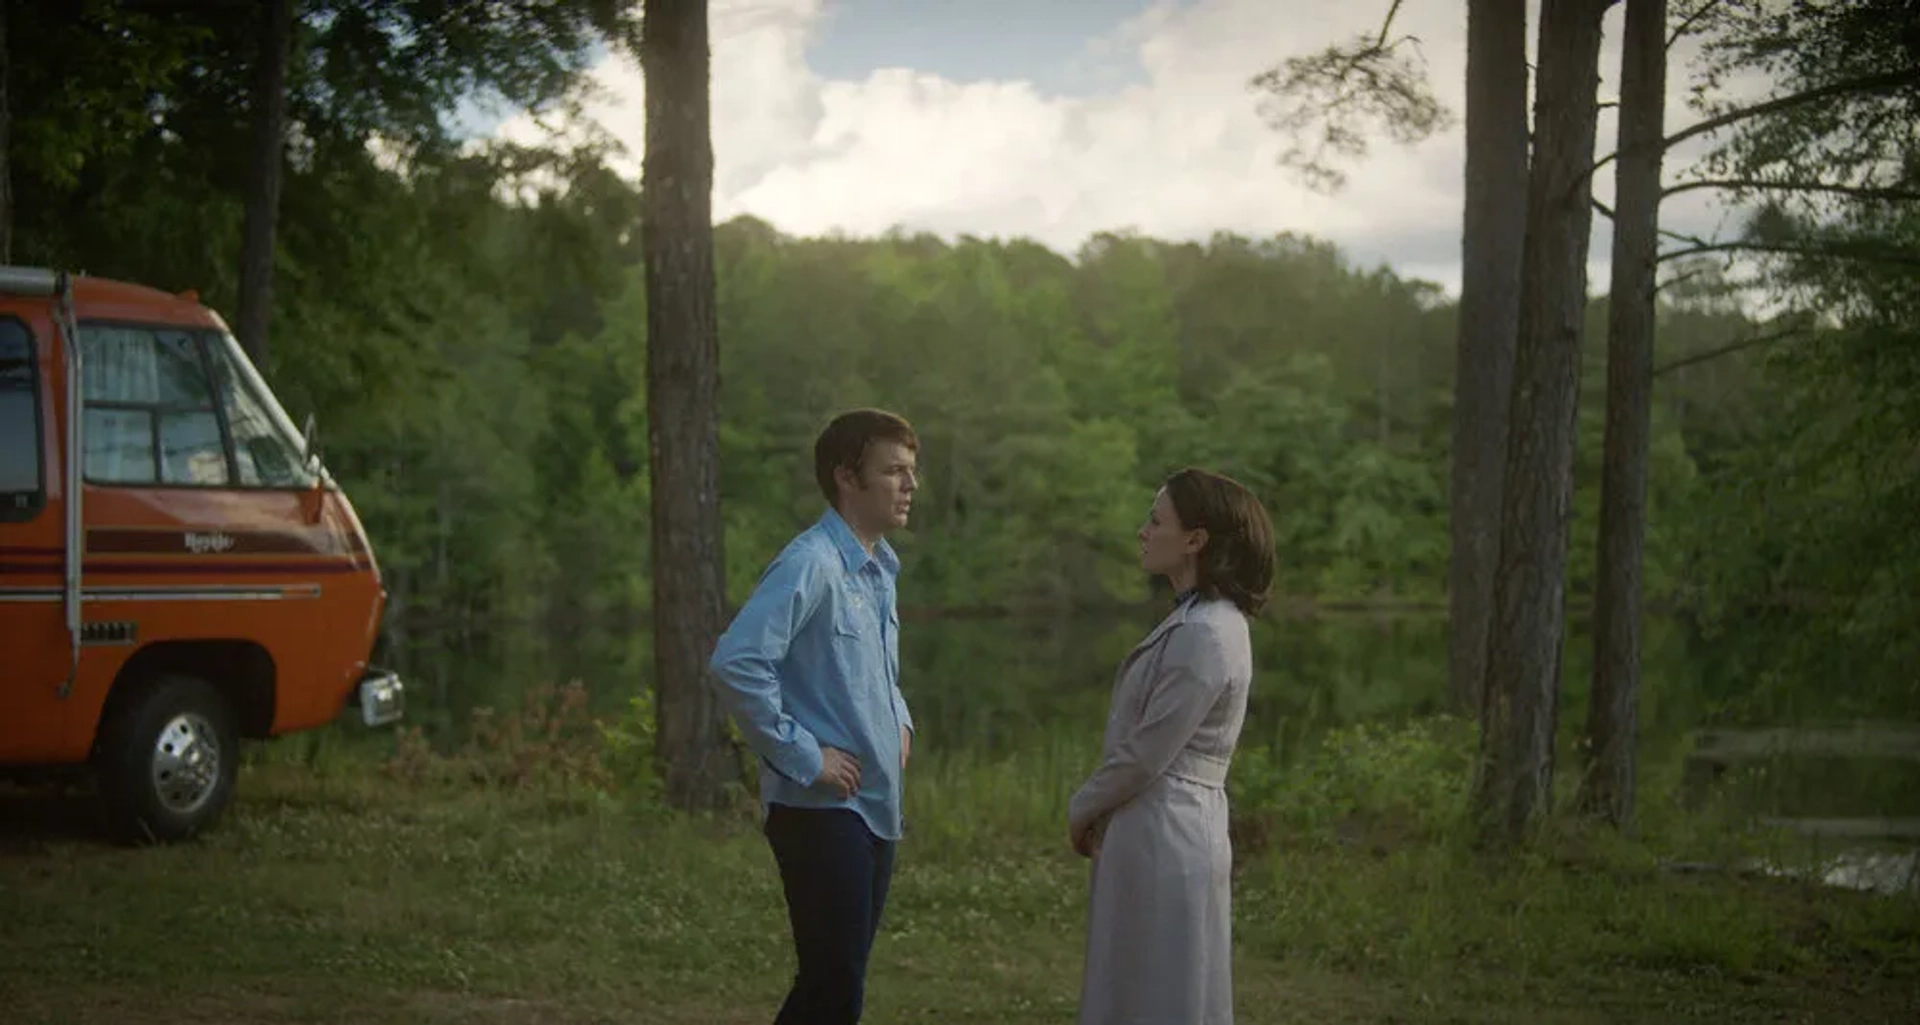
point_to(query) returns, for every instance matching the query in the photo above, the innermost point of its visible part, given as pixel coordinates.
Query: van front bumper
(382, 697)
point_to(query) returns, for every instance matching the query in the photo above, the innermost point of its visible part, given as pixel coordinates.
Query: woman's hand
(1086, 840)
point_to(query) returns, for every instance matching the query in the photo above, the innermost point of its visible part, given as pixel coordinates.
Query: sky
(1057, 120)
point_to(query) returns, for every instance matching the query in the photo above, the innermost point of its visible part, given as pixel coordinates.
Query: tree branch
(1863, 84)
(1386, 26)
(1855, 191)
(1727, 350)
(1342, 87)
(1893, 256)
(1381, 45)
(1727, 286)
(1677, 280)
(1607, 212)
(1693, 19)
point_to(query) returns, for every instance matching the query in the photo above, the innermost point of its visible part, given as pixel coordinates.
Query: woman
(1153, 816)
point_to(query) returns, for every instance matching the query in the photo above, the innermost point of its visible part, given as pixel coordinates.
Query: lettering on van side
(209, 540)
(202, 543)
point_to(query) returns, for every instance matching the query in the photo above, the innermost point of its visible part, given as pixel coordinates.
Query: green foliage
(548, 742)
(1807, 539)
(1409, 779)
(1855, 136)
(629, 753)
(469, 328)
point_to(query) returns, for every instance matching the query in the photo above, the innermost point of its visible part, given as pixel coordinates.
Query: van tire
(167, 759)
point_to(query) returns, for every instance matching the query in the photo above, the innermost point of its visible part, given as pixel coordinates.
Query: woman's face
(1166, 547)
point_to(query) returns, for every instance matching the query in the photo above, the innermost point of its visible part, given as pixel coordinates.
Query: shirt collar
(852, 552)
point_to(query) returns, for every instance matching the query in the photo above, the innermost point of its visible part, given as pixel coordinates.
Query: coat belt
(1203, 769)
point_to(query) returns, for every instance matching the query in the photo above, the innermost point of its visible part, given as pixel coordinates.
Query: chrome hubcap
(186, 763)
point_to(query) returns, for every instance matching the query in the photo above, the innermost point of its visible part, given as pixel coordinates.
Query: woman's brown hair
(1237, 561)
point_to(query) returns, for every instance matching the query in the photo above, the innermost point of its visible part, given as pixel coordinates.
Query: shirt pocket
(853, 618)
(856, 643)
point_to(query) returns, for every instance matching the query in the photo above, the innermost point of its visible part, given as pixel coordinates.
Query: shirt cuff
(799, 759)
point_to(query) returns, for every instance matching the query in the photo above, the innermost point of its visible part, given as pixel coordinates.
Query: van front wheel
(167, 760)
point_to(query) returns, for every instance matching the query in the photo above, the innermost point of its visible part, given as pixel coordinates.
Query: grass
(351, 889)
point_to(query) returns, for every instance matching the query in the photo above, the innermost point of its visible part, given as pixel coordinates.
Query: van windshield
(268, 449)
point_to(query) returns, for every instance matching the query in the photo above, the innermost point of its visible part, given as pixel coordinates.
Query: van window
(150, 416)
(22, 487)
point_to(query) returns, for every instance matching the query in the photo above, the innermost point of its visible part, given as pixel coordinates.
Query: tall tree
(1520, 696)
(6, 133)
(1861, 60)
(269, 109)
(1607, 787)
(1325, 103)
(1824, 501)
(683, 378)
(1493, 238)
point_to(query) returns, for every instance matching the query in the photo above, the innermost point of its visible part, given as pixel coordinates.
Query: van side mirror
(309, 441)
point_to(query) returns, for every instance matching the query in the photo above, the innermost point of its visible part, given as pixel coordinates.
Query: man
(809, 669)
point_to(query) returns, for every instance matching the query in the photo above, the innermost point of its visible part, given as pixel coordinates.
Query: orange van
(177, 569)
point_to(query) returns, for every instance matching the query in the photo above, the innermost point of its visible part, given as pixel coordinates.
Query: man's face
(878, 499)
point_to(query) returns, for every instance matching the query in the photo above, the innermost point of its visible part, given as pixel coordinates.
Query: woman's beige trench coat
(1159, 936)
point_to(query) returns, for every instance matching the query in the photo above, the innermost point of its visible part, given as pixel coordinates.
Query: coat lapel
(1174, 618)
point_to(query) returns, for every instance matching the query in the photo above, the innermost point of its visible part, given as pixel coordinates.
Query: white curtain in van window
(120, 365)
(160, 374)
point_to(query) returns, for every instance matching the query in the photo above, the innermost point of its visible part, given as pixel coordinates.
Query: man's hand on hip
(839, 770)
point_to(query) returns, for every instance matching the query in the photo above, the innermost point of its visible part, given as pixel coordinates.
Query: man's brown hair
(1237, 561)
(847, 438)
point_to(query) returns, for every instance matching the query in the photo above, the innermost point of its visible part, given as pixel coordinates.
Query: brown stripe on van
(213, 541)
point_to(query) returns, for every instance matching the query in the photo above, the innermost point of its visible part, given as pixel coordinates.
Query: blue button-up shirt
(813, 659)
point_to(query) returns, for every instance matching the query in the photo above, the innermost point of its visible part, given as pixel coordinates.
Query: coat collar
(1181, 613)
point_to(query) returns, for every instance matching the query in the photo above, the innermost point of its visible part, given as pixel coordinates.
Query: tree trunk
(6, 138)
(1493, 235)
(263, 185)
(683, 379)
(445, 622)
(1520, 703)
(1607, 788)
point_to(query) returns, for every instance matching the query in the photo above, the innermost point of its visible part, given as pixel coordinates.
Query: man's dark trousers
(835, 873)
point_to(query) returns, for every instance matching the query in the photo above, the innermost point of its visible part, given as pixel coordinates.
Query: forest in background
(467, 323)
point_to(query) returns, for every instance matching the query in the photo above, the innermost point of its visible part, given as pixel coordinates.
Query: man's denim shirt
(813, 659)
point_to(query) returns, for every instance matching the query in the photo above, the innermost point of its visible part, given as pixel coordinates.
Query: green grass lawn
(341, 896)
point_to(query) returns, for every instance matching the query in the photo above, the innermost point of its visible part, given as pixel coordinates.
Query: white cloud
(1180, 155)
